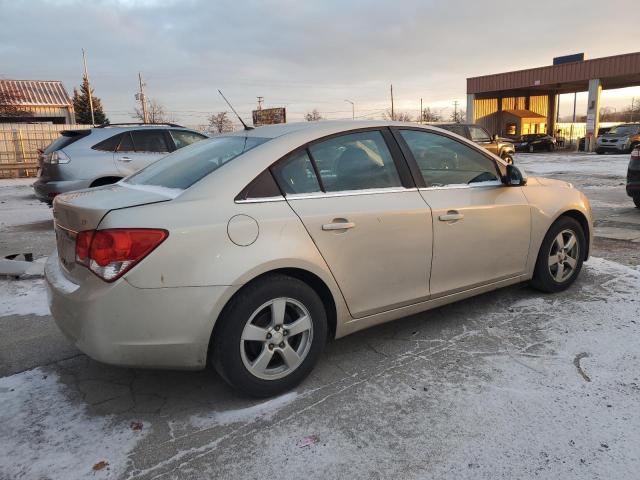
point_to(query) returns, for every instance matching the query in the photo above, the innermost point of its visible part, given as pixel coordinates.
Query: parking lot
(510, 384)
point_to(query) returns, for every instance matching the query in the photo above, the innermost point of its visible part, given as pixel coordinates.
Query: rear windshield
(65, 139)
(186, 166)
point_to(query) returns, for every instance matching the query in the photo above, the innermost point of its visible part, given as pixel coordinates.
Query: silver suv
(99, 156)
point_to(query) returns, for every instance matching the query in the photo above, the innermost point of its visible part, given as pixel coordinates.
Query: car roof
(319, 128)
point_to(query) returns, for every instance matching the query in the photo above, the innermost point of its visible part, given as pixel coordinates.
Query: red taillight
(110, 253)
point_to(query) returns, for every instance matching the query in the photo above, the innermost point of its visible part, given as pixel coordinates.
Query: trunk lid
(83, 210)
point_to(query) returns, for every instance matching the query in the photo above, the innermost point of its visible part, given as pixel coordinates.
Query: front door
(373, 232)
(481, 227)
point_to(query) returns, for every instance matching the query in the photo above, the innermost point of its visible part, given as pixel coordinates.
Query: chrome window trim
(261, 200)
(349, 193)
(496, 183)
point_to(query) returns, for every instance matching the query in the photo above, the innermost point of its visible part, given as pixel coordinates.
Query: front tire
(269, 336)
(560, 257)
(636, 200)
(531, 149)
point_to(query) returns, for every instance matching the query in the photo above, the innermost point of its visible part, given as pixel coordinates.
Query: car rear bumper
(119, 324)
(47, 189)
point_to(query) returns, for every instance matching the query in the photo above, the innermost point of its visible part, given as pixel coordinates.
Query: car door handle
(338, 226)
(451, 216)
(125, 159)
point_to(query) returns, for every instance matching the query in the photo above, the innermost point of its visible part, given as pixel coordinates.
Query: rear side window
(126, 143)
(295, 174)
(185, 167)
(355, 161)
(445, 161)
(110, 144)
(479, 134)
(65, 139)
(153, 141)
(457, 129)
(182, 138)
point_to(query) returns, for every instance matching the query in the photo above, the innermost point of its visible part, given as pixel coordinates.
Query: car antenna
(234, 111)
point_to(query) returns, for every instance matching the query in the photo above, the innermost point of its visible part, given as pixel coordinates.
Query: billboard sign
(269, 116)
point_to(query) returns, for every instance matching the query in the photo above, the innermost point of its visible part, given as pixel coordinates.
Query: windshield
(186, 166)
(624, 130)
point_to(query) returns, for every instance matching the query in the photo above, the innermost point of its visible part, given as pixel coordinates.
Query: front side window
(295, 174)
(153, 141)
(444, 161)
(182, 138)
(185, 167)
(355, 161)
(479, 134)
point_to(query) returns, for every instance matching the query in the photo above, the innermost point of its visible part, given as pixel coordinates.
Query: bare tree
(458, 116)
(313, 116)
(10, 103)
(429, 115)
(220, 122)
(156, 113)
(397, 116)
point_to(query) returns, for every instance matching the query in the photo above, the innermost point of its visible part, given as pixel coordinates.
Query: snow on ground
(574, 163)
(23, 297)
(18, 204)
(44, 434)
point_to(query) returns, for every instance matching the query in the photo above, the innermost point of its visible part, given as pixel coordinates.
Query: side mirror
(495, 137)
(515, 176)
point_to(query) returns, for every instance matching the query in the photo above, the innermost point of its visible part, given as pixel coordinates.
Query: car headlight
(56, 158)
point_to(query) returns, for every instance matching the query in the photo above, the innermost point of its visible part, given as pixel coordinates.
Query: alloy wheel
(563, 255)
(276, 338)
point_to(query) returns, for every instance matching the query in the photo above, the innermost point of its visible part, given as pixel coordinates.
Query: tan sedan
(249, 251)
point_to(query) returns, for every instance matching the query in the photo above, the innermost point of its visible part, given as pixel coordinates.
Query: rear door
(369, 223)
(139, 148)
(481, 227)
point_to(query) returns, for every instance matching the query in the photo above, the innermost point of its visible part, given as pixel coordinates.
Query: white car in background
(248, 251)
(103, 155)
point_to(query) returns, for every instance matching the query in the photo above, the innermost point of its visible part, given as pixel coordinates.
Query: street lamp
(353, 109)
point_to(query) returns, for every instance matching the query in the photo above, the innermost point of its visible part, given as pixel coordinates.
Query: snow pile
(45, 434)
(23, 297)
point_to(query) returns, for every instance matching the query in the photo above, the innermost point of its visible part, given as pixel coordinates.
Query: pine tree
(82, 108)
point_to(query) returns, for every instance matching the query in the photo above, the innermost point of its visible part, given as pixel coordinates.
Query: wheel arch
(105, 180)
(584, 223)
(310, 278)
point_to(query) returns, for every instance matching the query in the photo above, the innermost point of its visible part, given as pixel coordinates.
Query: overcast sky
(302, 54)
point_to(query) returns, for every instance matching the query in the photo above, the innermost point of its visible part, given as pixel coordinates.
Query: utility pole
(143, 99)
(421, 112)
(393, 115)
(86, 76)
(353, 109)
(260, 100)
(633, 101)
(455, 111)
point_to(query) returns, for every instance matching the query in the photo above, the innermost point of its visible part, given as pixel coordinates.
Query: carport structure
(536, 90)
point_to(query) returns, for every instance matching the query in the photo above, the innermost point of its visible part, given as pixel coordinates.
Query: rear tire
(560, 257)
(599, 152)
(254, 356)
(636, 200)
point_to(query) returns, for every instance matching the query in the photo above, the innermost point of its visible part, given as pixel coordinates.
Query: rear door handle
(338, 226)
(451, 216)
(125, 159)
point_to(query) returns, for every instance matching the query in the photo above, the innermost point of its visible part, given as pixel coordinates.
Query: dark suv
(496, 145)
(99, 156)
